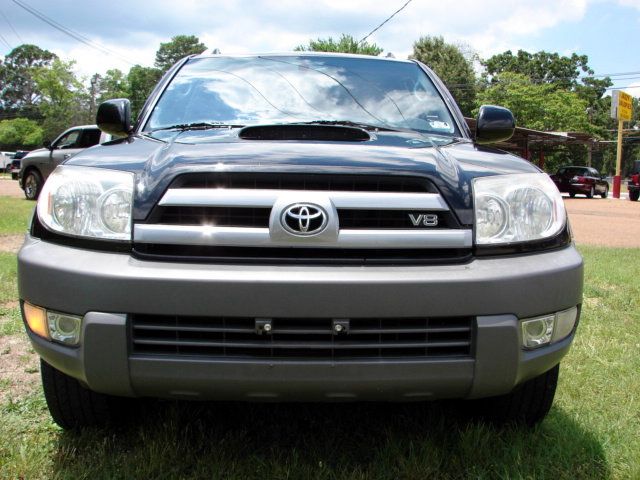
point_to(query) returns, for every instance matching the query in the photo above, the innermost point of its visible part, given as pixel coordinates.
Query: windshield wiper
(196, 126)
(349, 123)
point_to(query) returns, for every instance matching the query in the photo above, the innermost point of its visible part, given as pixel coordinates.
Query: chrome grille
(228, 216)
(293, 338)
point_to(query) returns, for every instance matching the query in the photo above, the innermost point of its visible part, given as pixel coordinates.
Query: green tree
(450, 64)
(20, 133)
(568, 73)
(346, 44)
(539, 106)
(141, 81)
(114, 84)
(18, 88)
(179, 47)
(62, 95)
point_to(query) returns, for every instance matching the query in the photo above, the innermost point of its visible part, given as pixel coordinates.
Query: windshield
(292, 89)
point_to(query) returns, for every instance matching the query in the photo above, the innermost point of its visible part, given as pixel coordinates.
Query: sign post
(621, 109)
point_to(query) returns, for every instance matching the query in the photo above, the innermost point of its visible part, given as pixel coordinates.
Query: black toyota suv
(306, 227)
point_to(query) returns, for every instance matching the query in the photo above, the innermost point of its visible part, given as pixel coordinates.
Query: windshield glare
(279, 89)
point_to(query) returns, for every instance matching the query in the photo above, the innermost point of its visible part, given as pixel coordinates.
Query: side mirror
(114, 117)
(47, 144)
(494, 124)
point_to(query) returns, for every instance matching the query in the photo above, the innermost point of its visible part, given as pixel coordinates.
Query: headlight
(87, 202)
(517, 208)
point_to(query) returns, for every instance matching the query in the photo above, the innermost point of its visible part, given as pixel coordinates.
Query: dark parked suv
(581, 181)
(298, 227)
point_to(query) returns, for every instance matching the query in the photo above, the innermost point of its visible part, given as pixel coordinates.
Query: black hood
(449, 166)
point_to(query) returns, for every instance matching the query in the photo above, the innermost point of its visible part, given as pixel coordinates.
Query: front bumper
(106, 287)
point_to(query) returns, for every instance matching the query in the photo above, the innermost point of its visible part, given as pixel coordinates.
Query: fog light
(36, 319)
(537, 332)
(565, 321)
(64, 328)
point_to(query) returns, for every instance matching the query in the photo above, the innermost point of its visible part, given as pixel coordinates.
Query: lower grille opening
(293, 338)
(299, 256)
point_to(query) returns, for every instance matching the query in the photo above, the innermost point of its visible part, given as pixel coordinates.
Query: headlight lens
(87, 202)
(517, 208)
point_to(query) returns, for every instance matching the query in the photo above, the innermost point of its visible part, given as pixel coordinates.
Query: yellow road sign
(621, 106)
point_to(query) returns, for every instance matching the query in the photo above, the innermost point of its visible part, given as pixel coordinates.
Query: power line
(4, 40)
(389, 18)
(11, 26)
(71, 33)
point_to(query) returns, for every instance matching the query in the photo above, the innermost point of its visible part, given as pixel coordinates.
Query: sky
(132, 30)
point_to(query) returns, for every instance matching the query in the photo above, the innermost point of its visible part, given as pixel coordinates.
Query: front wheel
(605, 194)
(634, 195)
(73, 406)
(528, 403)
(32, 185)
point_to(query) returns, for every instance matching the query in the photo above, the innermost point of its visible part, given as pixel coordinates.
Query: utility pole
(621, 109)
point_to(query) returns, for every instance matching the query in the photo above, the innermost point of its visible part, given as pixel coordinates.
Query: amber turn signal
(36, 319)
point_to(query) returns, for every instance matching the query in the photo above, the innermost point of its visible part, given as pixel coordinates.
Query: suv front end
(317, 263)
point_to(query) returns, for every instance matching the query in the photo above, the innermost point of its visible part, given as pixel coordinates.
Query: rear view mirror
(47, 144)
(494, 124)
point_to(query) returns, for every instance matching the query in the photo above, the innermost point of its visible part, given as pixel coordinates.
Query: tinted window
(90, 137)
(574, 171)
(278, 89)
(70, 140)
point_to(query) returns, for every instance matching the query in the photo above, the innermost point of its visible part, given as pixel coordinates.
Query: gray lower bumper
(497, 291)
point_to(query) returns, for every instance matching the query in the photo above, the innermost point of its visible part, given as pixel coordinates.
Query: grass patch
(591, 432)
(8, 272)
(15, 214)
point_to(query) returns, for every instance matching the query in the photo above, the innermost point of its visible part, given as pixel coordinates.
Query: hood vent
(326, 133)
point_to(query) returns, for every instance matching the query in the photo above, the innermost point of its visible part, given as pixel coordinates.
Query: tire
(634, 195)
(73, 406)
(32, 185)
(591, 193)
(605, 194)
(527, 404)
(572, 195)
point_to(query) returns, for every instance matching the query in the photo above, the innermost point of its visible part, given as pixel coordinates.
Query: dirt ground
(606, 222)
(19, 367)
(10, 188)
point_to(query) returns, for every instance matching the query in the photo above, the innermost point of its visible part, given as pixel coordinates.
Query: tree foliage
(345, 44)
(141, 82)
(20, 132)
(62, 93)
(568, 73)
(451, 66)
(179, 47)
(18, 87)
(114, 84)
(539, 106)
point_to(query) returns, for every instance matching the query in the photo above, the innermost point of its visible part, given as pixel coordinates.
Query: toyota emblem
(304, 219)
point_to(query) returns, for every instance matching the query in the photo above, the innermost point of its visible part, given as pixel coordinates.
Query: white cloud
(134, 30)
